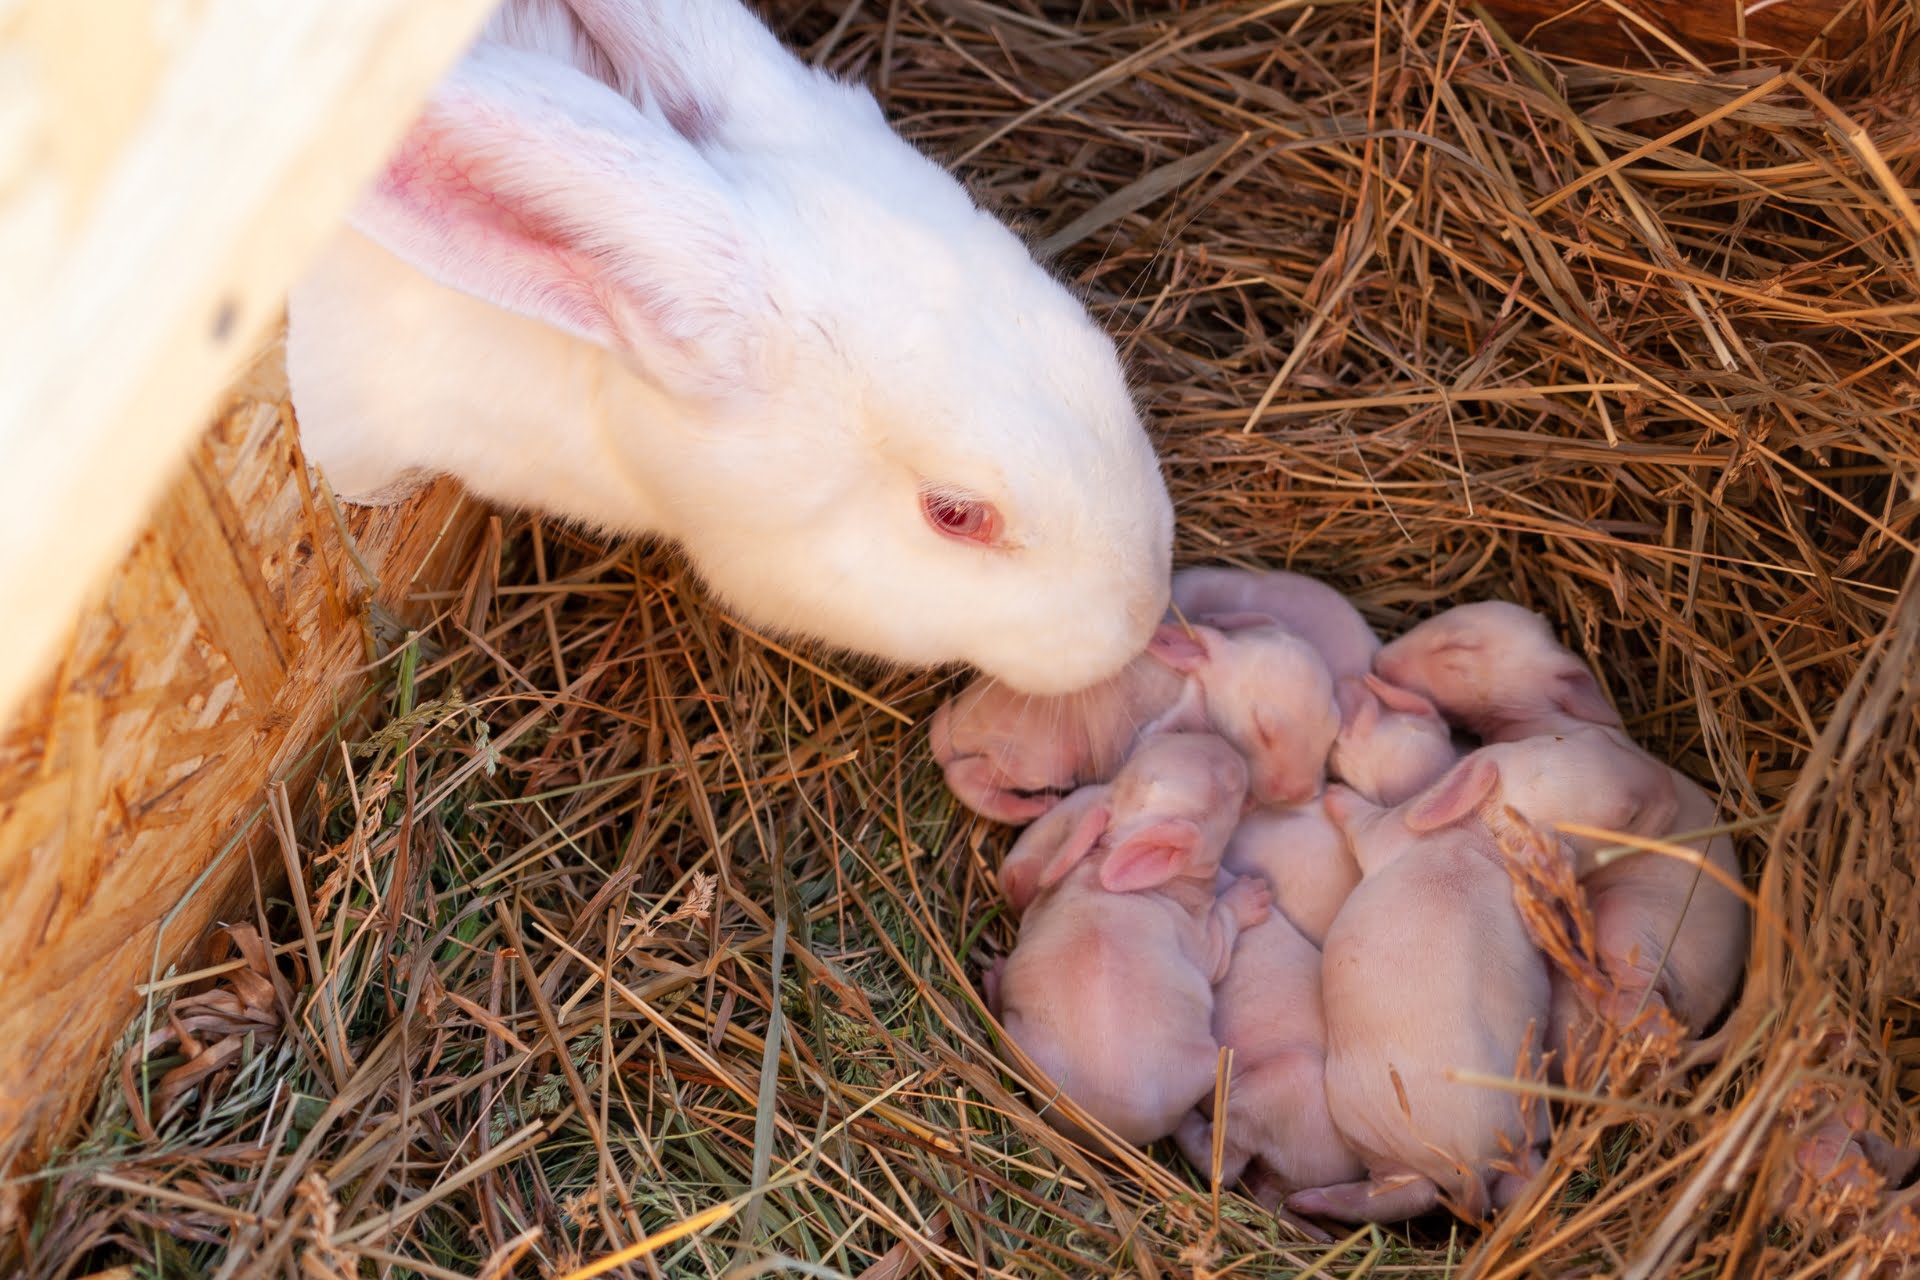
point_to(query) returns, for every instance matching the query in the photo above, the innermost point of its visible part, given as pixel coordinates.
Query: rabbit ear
(1239, 621)
(1078, 844)
(1150, 856)
(1577, 693)
(1406, 701)
(708, 64)
(1184, 650)
(1456, 795)
(534, 187)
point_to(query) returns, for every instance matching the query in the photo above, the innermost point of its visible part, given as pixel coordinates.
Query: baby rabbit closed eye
(638, 266)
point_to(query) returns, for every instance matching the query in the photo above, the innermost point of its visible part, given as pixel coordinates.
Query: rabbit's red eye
(957, 517)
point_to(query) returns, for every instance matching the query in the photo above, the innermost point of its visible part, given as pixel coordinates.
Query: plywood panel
(231, 636)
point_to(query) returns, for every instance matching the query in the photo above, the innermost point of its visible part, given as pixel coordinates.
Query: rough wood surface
(165, 172)
(230, 639)
(1619, 32)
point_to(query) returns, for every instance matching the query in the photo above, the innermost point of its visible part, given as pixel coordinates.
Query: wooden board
(165, 172)
(229, 640)
(1623, 32)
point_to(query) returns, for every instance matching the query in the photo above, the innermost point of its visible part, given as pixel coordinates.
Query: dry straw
(635, 945)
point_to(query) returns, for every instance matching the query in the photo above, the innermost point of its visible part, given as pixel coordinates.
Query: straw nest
(634, 935)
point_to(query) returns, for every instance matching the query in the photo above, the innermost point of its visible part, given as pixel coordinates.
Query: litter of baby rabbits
(632, 928)
(1358, 950)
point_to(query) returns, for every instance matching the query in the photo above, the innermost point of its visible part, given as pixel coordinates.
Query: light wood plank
(167, 167)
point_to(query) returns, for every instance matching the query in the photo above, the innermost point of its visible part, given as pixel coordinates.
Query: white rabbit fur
(639, 267)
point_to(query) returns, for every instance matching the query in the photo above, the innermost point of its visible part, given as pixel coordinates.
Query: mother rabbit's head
(850, 395)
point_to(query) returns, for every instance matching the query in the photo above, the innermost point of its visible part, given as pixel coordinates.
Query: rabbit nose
(1285, 791)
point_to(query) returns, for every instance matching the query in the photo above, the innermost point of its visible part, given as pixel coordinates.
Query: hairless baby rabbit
(1008, 755)
(638, 266)
(1302, 856)
(1429, 970)
(1497, 669)
(1110, 987)
(1306, 606)
(1392, 742)
(1267, 1010)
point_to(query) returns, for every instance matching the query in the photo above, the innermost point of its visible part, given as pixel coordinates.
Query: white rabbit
(638, 266)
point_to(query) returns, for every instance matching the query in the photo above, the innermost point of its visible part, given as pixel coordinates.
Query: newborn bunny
(1267, 1010)
(1110, 988)
(1392, 741)
(1306, 606)
(1496, 668)
(1390, 744)
(1304, 860)
(1428, 969)
(638, 266)
(1007, 755)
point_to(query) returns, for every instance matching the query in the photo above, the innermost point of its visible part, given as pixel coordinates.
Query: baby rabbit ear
(532, 186)
(1577, 693)
(1183, 650)
(1150, 856)
(1077, 845)
(1359, 709)
(1456, 795)
(1188, 714)
(1405, 701)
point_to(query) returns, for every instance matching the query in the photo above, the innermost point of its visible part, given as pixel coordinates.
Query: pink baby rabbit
(1306, 606)
(1267, 1010)
(1392, 742)
(638, 266)
(1496, 669)
(1007, 755)
(1110, 987)
(1429, 970)
(1303, 858)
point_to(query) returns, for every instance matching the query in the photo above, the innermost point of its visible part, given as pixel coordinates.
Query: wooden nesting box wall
(166, 169)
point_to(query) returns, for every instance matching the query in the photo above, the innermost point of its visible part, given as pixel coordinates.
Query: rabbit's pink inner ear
(1019, 881)
(1176, 648)
(458, 220)
(1456, 795)
(536, 188)
(1150, 857)
(1578, 694)
(1078, 844)
(1395, 698)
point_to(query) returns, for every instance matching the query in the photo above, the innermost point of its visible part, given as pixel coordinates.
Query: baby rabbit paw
(1250, 899)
